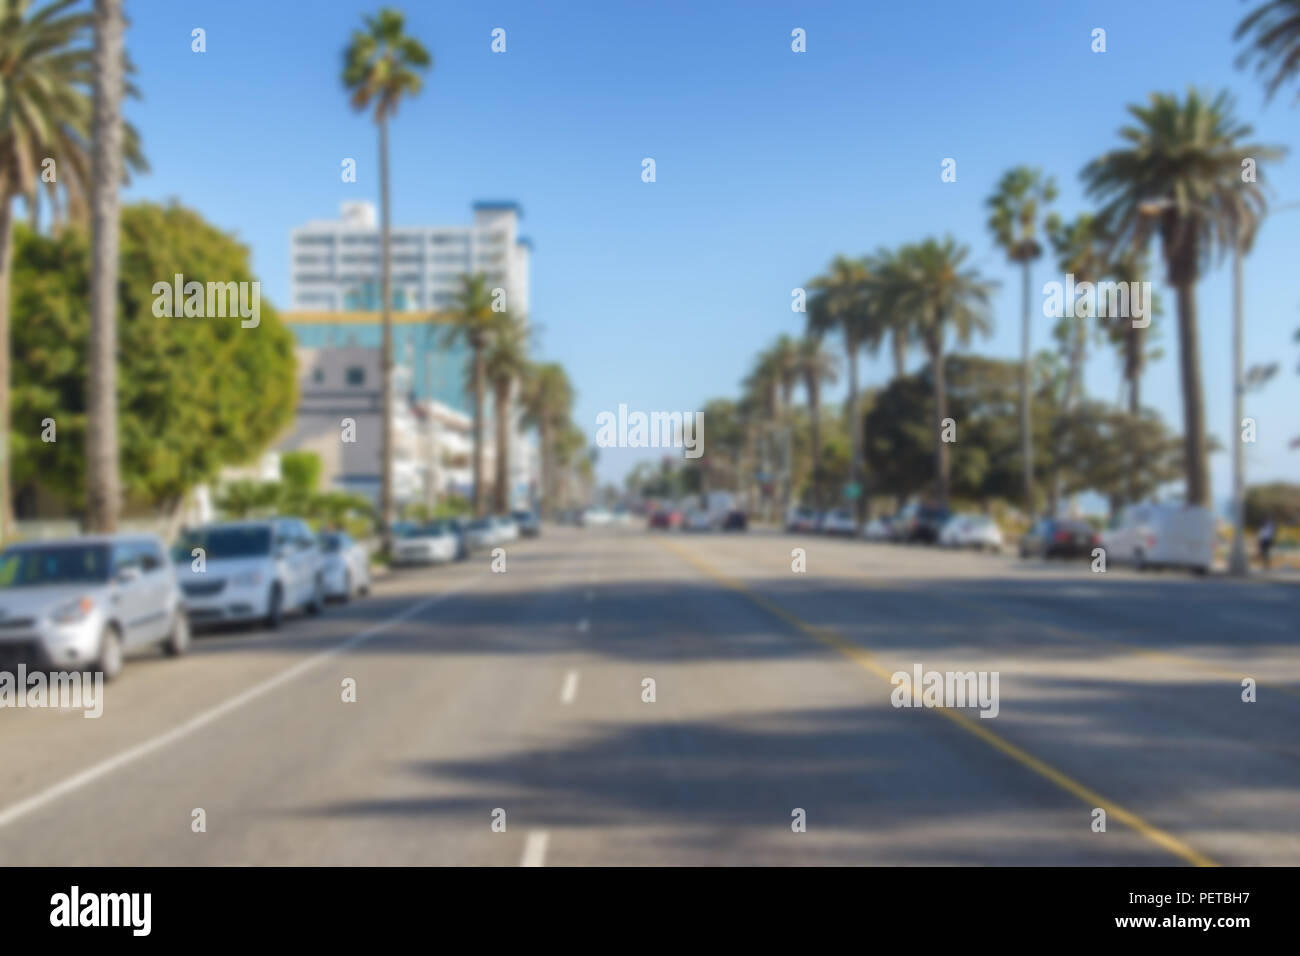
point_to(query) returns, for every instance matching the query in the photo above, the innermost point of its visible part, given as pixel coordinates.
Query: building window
(356, 375)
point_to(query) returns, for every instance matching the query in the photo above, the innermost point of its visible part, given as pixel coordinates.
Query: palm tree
(1016, 207)
(547, 404)
(883, 266)
(816, 367)
(1274, 28)
(1180, 174)
(843, 302)
(380, 67)
(471, 318)
(47, 70)
(934, 286)
(505, 363)
(103, 481)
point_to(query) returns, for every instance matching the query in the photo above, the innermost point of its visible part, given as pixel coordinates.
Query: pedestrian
(1267, 532)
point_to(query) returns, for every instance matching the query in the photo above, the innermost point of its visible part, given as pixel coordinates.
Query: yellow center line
(867, 661)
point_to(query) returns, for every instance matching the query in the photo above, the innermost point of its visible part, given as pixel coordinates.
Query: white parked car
(345, 565)
(877, 529)
(838, 521)
(1160, 536)
(433, 543)
(595, 517)
(971, 531)
(697, 520)
(255, 570)
(481, 533)
(507, 529)
(82, 603)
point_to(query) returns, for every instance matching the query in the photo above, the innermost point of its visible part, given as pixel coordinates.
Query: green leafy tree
(194, 394)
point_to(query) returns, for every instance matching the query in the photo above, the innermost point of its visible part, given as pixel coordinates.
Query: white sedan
(839, 521)
(345, 565)
(433, 543)
(971, 531)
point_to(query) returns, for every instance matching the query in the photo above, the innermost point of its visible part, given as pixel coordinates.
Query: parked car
(83, 603)
(665, 519)
(735, 520)
(697, 521)
(480, 533)
(839, 521)
(877, 529)
(1059, 538)
(1179, 536)
(903, 524)
(971, 531)
(595, 517)
(929, 523)
(506, 529)
(250, 571)
(528, 524)
(345, 565)
(799, 519)
(434, 543)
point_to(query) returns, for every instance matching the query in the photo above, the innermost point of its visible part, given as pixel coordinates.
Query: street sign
(852, 490)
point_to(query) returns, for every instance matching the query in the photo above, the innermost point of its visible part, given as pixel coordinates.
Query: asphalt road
(479, 692)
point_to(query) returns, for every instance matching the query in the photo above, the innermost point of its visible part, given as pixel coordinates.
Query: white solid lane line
(129, 756)
(569, 693)
(535, 848)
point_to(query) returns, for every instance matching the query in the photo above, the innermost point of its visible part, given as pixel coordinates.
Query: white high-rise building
(334, 264)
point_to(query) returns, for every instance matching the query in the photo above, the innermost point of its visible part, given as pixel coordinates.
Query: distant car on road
(697, 521)
(839, 521)
(877, 529)
(735, 520)
(82, 603)
(529, 526)
(1059, 538)
(433, 543)
(971, 531)
(506, 529)
(595, 518)
(1162, 536)
(665, 519)
(480, 533)
(799, 519)
(254, 570)
(345, 565)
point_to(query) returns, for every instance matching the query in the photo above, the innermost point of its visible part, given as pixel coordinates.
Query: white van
(1174, 536)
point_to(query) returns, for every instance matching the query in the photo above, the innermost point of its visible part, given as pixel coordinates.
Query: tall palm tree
(784, 356)
(1180, 174)
(1274, 30)
(883, 266)
(471, 318)
(381, 65)
(547, 404)
(935, 286)
(762, 398)
(1015, 212)
(843, 302)
(48, 68)
(816, 368)
(505, 363)
(103, 480)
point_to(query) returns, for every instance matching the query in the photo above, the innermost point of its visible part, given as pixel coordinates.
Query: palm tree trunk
(480, 499)
(6, 261)
(1026, 438)
(1189, 353)
(548, 469)
(502, 489)
(387, 507)
(103, 488)
(898, 338)
(940, 413)
(851, 417)
(815, 430)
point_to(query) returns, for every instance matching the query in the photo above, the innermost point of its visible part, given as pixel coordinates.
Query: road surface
(502, 719)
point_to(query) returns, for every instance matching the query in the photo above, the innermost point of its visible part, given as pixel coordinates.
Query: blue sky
(768, 162)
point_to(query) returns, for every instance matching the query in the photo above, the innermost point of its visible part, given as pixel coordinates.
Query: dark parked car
(735, 521)
(665, 518)
(1059, 538)
(918, 523)
(529, 526)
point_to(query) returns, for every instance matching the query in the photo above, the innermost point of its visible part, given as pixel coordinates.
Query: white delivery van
(1162, 536)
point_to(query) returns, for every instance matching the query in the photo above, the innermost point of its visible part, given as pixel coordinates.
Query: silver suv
(81, 603)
